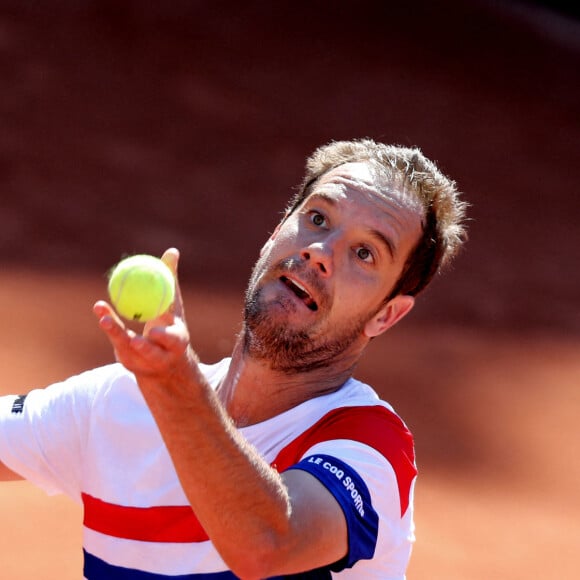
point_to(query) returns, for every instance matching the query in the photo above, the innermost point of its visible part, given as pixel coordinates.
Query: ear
(393, 311)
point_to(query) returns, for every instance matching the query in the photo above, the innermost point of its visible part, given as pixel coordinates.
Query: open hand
(162, 347)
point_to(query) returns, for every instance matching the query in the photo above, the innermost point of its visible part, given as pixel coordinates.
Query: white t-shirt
(93, 438)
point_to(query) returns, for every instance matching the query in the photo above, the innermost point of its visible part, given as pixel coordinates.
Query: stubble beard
(293, 350)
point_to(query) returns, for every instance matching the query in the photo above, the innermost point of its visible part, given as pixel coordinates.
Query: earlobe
(389, 315)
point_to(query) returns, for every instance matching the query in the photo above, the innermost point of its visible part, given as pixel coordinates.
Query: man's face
(326, 270)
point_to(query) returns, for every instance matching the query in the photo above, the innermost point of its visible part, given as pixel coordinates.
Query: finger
(171, 258)
(131, 349)
(146, 357)
(112, 325)
(142, 355)
(103, 310)
(173, 338)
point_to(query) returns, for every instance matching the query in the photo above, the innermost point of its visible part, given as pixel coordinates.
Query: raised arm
(262, 523)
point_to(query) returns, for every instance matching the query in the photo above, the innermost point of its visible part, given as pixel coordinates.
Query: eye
(365, 255)
(317, 219)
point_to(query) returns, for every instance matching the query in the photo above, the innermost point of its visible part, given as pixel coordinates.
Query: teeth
(300, 287)
(301, 292)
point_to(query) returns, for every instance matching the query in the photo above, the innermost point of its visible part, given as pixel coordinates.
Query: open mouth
(301, 292)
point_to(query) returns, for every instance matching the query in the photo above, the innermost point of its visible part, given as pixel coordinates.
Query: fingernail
(106, 322)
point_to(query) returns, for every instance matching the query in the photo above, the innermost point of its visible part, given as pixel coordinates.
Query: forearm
(239, 499)
(262, 524)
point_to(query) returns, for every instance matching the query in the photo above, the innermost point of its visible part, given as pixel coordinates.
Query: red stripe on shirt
(150, 524)
(375, 426)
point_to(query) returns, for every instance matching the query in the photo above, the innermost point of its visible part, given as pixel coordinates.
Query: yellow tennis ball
(141, 287)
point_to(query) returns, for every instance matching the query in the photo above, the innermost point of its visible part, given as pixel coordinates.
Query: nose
(319, 255)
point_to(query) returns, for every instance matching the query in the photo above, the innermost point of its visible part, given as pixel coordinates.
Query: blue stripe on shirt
(351, 492)
(97, 569)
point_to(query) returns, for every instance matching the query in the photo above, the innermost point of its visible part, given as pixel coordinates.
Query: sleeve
(353, 496)
(43, 433)
(369, 468)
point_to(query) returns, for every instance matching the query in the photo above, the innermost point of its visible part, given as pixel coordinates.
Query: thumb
(171, 258)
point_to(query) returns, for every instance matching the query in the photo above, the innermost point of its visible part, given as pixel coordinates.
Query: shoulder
(377, 426)
(364, 431)
(100, 381)
(363, 453)
(355, 412)
(94, 383)
(77, 390)
(104, 387)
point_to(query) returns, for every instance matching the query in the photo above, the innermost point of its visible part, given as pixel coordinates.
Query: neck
(252, 391)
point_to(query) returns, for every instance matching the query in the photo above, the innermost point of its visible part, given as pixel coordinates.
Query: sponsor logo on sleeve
(346, 480)
(18, 405)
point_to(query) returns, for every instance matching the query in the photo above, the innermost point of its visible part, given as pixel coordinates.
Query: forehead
(360, 178)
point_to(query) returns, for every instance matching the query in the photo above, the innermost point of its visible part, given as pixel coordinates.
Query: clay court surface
(137, 128)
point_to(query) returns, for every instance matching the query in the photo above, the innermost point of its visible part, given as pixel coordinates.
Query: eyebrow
(321, 196)
(387, 242)
(377, 234)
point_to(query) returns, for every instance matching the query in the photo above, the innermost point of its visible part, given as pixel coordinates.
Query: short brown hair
(405, 167)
